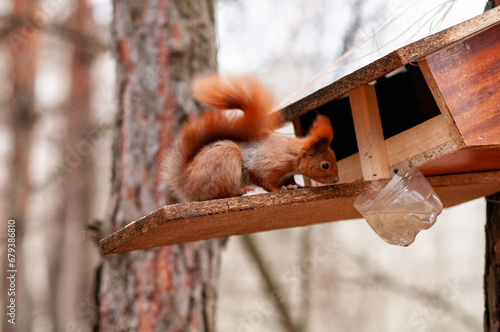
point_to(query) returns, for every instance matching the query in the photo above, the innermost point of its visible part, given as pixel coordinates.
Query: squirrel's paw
(243, 190)
(290, 187)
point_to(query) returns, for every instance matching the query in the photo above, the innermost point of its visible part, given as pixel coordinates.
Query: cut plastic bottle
(400, 209)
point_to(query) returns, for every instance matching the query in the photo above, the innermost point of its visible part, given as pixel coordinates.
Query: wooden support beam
(369, 133)
(195, 221)
(298, 132)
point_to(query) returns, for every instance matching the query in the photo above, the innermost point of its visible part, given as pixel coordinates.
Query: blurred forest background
(57, 95)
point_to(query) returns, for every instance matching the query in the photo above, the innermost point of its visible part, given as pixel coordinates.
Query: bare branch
(353, 28)
(24, 25)
(270, 284)
(423, 295)
(306, 250)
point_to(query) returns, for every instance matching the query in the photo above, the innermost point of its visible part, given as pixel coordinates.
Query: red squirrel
(223, 154)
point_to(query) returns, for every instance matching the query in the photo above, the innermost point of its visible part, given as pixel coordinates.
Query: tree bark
(492, 267)
(492, 257)
(491, 4)
(160, 46)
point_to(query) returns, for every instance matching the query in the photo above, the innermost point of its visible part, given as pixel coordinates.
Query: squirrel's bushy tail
(243, 93)
(238, 93)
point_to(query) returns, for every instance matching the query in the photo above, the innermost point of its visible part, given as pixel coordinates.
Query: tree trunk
(492, 268)
(492, 259)
(71, 258)
(492, 4)
(160, 47)
(23, 48)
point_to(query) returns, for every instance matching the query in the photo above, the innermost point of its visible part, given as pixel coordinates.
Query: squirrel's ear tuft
(322, 128)
(320, 135)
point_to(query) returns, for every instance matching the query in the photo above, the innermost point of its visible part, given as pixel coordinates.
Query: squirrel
(223, 154)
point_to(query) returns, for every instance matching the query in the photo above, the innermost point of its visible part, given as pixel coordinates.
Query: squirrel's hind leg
(216, 172)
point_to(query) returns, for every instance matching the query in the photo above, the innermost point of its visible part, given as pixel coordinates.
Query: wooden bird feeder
(434, 104)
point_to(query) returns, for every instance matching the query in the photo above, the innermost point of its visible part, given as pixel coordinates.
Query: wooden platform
(438, 112)
(195, 221)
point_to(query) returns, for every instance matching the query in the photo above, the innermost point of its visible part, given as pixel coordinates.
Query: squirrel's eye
(325, 165)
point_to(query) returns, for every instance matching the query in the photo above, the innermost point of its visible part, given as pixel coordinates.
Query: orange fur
(245, 94)
(220, 155)
(320, 132)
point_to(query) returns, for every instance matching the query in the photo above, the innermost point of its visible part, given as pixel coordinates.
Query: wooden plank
(438, 97)
(468, 77)
(459, 188)
(392, 61)
(464, 161)
(238, 215)
(350, 169)
(195, 221)
(369, 134)
(419, 145)
(342, 86)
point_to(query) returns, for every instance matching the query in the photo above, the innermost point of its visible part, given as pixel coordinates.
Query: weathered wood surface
(195, 221)
(468, 77)
(394, 60)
